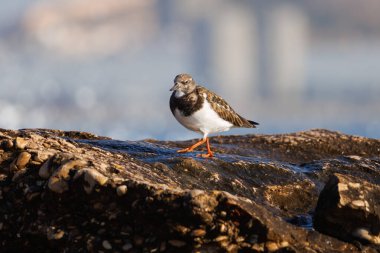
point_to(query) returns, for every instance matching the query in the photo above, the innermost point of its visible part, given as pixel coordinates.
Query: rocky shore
(312, 191)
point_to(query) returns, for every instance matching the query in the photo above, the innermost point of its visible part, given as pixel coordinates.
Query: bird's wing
(223, 109)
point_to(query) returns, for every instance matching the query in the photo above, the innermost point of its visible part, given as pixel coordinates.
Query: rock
(198, 232)
(349, 209)
(106, 245)
(45, 169)
(83, 193)
(177, 243)
(21, 143)
(8, 144)
(92, 177)
(58, 181)
(23, 159)
(127, 247)
(121, 190)
(20, 162)
(42, 156)
(54, 234)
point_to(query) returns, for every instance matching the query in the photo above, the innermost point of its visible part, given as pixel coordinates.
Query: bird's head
(183, 85)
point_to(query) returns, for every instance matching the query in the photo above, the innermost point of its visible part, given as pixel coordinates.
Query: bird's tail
(253, 123)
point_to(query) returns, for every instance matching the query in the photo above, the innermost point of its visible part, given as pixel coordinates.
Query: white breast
(205, 120)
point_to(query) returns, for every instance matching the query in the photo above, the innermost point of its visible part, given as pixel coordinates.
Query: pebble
(342, 187)
(177, 243)
(284, 244)
(271, 246)
(58, 185)
(20, 143)
(9, 144)
(23, 159)
(44, 170)
(57, 182)
(359, 203)
(198, 232)
(240, 239)
(107, 245)
(182, 229)
(92, 177)
(53, 234)
(121, 190)
(223, 228)
(42, 156)
(354, 185)
(232, 248)
(221, 238)
(363, 233)
(127, 247)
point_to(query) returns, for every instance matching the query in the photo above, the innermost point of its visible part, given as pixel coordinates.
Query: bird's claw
(207, 155)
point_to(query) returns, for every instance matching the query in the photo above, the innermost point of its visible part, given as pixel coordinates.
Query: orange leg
(190, 149)
(209, 152)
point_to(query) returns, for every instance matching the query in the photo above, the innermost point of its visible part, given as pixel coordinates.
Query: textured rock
(349, 209)
(83, 193)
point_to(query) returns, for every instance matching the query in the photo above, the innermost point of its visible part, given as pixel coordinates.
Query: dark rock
(349, 208)
(83, 193)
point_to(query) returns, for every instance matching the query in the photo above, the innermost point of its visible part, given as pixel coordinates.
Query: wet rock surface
(77, 192)
(349, 209)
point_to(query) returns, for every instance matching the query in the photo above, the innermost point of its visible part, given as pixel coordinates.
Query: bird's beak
(175, 87)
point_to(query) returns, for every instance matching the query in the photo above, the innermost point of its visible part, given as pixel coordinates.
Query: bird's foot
(207, 155)
(185, 150)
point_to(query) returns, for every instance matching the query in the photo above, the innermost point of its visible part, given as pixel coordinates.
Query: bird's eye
(187, 81)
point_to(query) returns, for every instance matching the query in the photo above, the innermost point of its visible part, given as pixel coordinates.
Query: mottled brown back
(224, 110)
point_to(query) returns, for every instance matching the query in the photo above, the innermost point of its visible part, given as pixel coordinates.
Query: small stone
(8, 144)
(92, 177)
(258, 247)
(23, 159)
(42, 156)
(53, 234)
(223, 228)
(232, 248)
(138, 240)
(177, 243)
(284, 244)
(44, 170)
(121, 190)
(107, 245)
(58, 185)
(221, 238)
(198, 232)
(359, 203)
(240, 239)
(127, 247)
(182, 229)
(342, 187)
(20, 143)
(354, 185)
(58, 181)
(355, 157)
(271, 246)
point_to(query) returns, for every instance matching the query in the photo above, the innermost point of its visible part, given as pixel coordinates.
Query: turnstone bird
(202, 111)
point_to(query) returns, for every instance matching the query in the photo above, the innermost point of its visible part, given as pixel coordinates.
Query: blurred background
(107, 66)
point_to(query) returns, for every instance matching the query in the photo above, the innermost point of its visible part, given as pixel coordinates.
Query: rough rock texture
(349, 209)
(76, 192)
